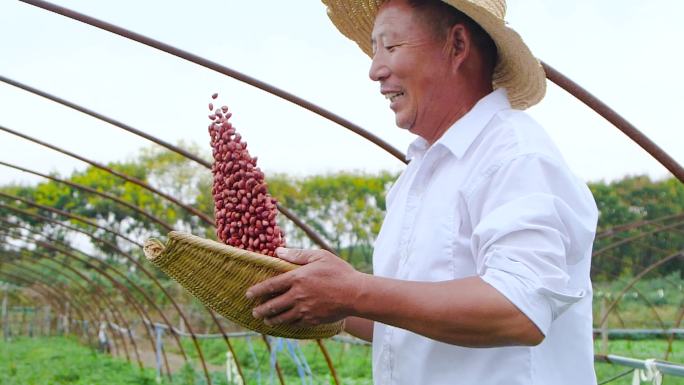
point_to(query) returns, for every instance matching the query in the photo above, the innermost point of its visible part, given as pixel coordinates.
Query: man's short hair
(442, 16)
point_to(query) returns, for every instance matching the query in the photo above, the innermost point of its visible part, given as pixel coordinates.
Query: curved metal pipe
(329, 362)
(91, 190)
(133, 260)
(636, 279)
(671, 337)
(277, 367)
(620, 228)
(622, 124)
(127, 296)
(41, 218)
(551, 73)
(615, 119)
(123, 176)
(30, 294)
(635, 237)
(68, 215)
(115, 310)
(220, 69)
(88, 264)
(146, 272)
(102, 272)
(226, 339)
(307, 229)
(289, 214)
(617, 259)
(631, 285)
(46, 295)
(99, 116)
(66, 299)
(49, 302)
(83, 304)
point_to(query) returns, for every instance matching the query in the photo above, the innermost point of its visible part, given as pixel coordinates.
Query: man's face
(411, 65)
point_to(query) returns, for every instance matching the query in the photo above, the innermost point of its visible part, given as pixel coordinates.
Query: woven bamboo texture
(219, 275)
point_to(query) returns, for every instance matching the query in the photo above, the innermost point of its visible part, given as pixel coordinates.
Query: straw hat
(517, 70)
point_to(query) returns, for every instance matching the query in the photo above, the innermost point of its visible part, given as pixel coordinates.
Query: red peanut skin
(245, 213)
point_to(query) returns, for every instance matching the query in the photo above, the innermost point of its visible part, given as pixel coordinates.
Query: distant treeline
(641, 220)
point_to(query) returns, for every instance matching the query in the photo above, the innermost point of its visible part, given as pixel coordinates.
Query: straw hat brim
(517, 70)
(219, 276)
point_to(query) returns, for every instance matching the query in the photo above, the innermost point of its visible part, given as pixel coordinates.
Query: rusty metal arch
(91, 190)
(637, 225)
(613, 231)
(68, 215)
(121, 175)
(551, 73)
(648, 269)
(284, 210)
(149, 275)
(50, 297)
(133, 284)
(615, 119)
(321, 346)
(101, 271)
(84, 220)
(104, 118)
(670, 227)
(49, 301)
(625, 240)
(631, 285)
(204, 217)
(126, 296)
(144, 270)
(50, 291)
(671, 337)
(673, 166)
(93, 314)
(37, 297)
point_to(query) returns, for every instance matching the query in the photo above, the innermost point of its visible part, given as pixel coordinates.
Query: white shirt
(492, 198)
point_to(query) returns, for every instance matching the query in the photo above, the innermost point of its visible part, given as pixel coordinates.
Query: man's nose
(378, 69)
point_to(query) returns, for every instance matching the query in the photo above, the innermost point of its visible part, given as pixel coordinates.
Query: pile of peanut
(245, 213)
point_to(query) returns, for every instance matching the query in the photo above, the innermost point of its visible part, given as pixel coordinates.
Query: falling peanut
(245, 213)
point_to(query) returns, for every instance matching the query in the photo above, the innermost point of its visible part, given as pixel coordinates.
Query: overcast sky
(627, 52)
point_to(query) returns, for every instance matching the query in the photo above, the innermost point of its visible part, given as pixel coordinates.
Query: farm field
(62, 360)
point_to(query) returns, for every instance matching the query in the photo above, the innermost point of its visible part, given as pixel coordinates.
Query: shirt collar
(417, 148)
(461, 134)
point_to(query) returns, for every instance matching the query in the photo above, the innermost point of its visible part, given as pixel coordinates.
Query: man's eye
(391, 47)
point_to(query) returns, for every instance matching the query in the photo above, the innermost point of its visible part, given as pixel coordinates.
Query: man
(481, 268)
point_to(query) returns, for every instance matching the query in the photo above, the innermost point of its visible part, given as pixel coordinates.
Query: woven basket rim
(248, 256)
(218, 275)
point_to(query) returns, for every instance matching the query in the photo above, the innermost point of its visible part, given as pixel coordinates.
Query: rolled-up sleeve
(532, 219)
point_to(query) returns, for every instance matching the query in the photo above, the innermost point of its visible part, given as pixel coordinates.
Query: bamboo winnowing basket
(219, 275)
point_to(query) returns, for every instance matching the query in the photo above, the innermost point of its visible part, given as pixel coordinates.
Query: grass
(61, 360)
(351, 362)
(64, 361)
(651, 303)
(642, 349)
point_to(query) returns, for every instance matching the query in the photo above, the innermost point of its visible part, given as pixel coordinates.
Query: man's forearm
(465, 312)
(359, 328)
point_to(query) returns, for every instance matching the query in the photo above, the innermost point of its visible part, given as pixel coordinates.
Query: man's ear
(458, 43)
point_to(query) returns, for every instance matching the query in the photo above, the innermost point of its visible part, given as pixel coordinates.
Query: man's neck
(464, 104)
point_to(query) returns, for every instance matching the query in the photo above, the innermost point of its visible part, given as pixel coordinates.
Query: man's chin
(403, 124)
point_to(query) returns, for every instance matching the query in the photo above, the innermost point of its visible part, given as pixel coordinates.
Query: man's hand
(321, 291)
